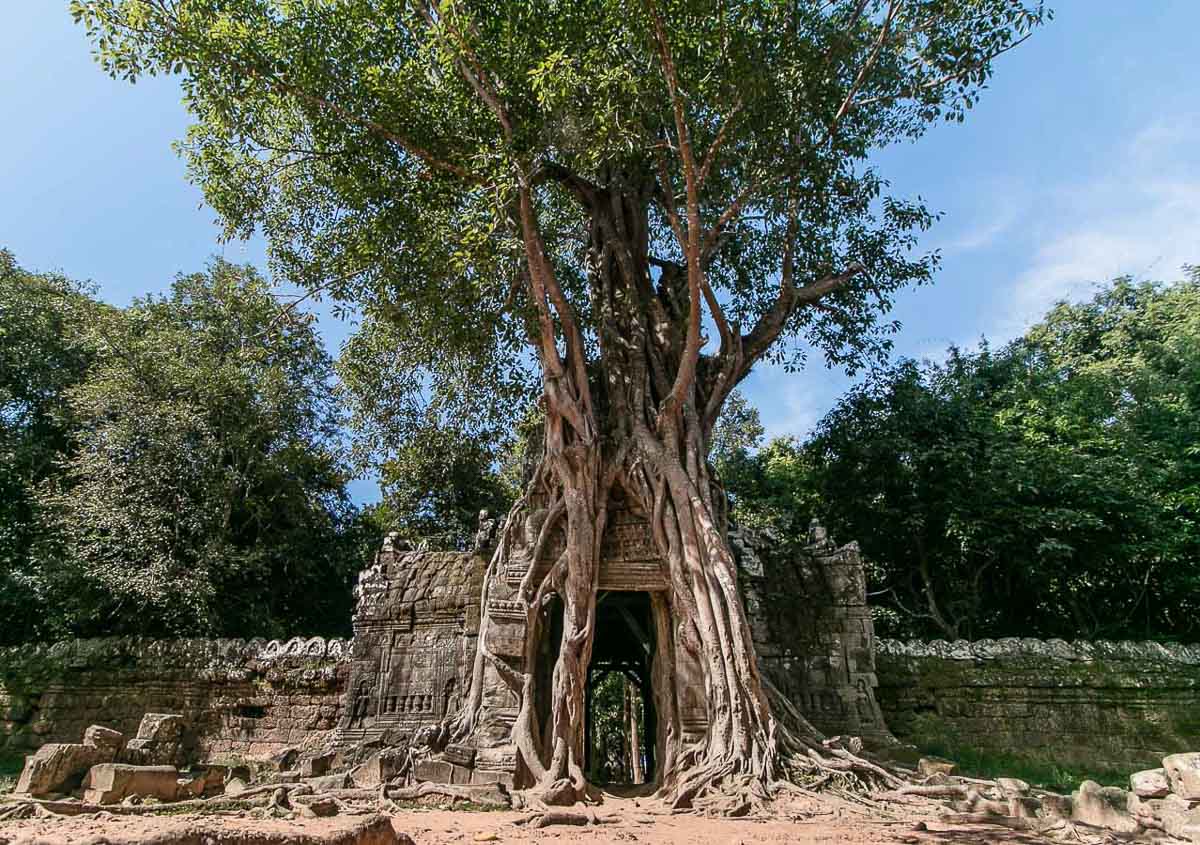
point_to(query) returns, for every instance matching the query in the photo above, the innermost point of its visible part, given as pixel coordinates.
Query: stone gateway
(418, 618)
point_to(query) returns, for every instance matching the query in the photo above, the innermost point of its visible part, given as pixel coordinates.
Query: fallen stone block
(1183, 773)
(434, 771)
(1172, 815)
(203, 782)
(105, 739)
(1152, 783)
(318, 808)
(1012, 786)
(928, 766)
(1103, 806)
(325, 783)
(161, 727)
(58, 767)
(159, 741)
(379, 768)
(111, 783)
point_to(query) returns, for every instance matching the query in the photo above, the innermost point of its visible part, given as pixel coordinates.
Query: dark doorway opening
(621, 719)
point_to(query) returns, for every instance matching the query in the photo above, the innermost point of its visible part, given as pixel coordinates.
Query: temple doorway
(621, 718)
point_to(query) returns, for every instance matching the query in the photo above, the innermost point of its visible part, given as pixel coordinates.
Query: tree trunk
(709, 618)
(651, 439)
(634, 730)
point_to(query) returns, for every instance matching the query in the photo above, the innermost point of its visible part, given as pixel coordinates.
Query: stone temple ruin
(412, 658)
(299, 723)
(417, 624)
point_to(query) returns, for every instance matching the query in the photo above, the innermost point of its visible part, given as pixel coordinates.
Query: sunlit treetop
(381, 146)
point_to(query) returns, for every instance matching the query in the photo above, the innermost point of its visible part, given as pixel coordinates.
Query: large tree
(45, 349)
(1045, 488)
(204, 488)
(588, 193)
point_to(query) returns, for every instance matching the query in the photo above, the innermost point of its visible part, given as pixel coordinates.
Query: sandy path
(631, 821)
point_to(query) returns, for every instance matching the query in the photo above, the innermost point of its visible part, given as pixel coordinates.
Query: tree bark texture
(626, 428)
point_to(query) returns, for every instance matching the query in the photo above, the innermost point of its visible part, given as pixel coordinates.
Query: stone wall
(1111, 705)
(239, 698)
(1098, 705)
(813, 630)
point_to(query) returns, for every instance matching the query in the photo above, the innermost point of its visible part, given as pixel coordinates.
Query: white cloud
(1140, 218)
(1005, 208)
(791, 404)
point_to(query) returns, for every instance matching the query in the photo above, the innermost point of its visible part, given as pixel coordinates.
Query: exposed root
(562, 817)
(25, 810)
(488, 795)
(1011, 822)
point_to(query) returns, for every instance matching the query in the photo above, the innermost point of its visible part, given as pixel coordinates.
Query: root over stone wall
(1111, 705)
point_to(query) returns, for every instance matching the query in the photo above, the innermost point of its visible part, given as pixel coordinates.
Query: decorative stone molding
(1010, 647)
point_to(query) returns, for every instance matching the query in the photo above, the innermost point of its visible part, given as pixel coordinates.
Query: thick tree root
(491, 796)
(562, 817)
(1011, 822)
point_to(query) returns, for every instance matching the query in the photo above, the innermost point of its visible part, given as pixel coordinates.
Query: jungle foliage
(1050, 487)
(173, 468)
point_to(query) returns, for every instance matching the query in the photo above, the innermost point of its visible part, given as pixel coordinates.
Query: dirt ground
(625, 820)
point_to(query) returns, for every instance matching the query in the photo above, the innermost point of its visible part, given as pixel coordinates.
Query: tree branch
(685, 375)
(771, 323)
(865, 70)
(948, 78)
(714, 149)
(170, 22)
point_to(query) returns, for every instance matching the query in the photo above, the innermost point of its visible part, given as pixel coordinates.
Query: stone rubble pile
(1164, 801)
(104, 772)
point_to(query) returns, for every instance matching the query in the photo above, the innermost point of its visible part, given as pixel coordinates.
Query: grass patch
(10, 770)
(932, 735)
(1046, 774)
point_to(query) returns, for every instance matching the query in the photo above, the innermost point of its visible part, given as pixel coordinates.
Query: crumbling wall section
(1110, 705)
(239, 698)
(813, 630)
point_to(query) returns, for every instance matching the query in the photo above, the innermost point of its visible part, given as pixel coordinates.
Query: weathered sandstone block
(111, 783)
(106, 739)
(59, 767)
(1183, 772)
(1151, 783)
(1103, 806)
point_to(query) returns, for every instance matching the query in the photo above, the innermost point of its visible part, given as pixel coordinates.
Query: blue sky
(1081, 163)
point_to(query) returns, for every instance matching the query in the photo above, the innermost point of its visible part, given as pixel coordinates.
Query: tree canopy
(1046, 488)
(384, 148)
(172, 468)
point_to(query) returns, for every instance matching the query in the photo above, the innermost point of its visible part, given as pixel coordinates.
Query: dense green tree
(1046, 488)
(204, 492)
(45, 349)
(437, 470)
(566, 194)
